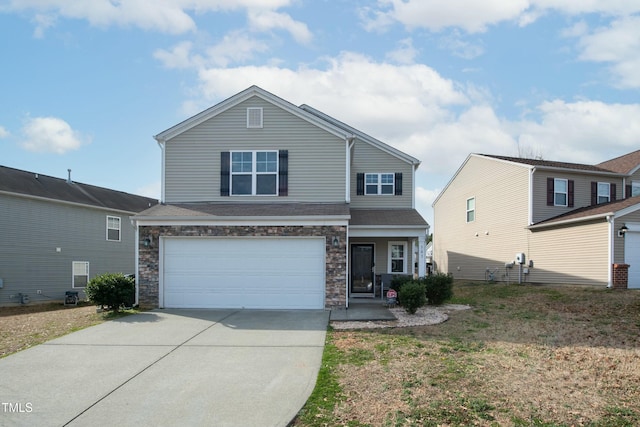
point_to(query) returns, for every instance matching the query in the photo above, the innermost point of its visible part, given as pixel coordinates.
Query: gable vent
(254, 117)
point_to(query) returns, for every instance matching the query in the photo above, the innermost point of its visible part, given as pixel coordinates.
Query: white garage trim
(242, 272)
(632, 254)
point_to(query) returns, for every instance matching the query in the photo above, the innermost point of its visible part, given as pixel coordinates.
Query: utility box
(520, 258)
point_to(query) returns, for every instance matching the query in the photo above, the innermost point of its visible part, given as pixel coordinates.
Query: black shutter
(612, 192)
(360, 184)
(398, 183)
(627, 191)
(224, 173)
(570, 192)
(283, 173)
(594, 193)
(550, 201)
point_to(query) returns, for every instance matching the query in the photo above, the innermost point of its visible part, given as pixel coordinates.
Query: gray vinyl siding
(582, 192)
(316, 157)
(468, 249)
(369, 159)
(31, 231)
(576, 254)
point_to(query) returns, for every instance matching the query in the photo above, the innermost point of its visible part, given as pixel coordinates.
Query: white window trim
(566, 193)
(250, 123)
(254, 172)
(73, 273)
(467, 210)
(111, 228)
(607, 196)
(379, 185)
(404, 258)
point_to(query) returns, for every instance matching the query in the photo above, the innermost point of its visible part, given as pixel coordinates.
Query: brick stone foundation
(335, 261)
(620, 276)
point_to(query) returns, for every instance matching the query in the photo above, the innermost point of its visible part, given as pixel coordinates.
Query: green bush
(399, 280)
(438, 288)
(111, 290)
(412, 296)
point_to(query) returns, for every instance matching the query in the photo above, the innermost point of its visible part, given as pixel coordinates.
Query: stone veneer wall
(336, 258)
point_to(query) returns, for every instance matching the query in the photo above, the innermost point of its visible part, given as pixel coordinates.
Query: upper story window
(560, 192)
(113, 228)
(602, 192)
(254, 173)
(471, 209)
(378, 183)
(635, 188)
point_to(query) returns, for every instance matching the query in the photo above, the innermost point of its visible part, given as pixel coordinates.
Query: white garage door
(632, 257)
(270, 273)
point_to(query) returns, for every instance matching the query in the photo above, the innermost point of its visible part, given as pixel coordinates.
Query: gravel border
(424, 316)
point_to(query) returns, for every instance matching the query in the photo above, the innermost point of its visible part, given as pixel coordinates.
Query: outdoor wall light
(147, 242)
(335, 242)
(622, 231)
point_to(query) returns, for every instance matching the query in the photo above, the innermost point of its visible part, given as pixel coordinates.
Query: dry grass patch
(25, 326)
(524, 355)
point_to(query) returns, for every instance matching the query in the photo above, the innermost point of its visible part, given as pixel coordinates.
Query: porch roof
(387, 217)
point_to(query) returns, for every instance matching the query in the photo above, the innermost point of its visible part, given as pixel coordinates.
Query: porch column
(422, 260)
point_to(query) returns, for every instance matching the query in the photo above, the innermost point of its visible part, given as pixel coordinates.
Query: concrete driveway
(169, 368)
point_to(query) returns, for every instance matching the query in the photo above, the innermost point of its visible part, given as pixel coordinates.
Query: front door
(362, 269)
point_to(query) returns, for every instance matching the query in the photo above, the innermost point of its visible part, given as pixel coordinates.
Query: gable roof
(619, 207)
(228, 103)
(547, 164)
(626, 164)
(371, 140)
(32, 184)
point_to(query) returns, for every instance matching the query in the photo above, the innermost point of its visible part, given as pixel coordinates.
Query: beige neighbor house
(523, 220)
(269, 205)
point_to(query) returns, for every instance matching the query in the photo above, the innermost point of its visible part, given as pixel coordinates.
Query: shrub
(111, 290)
(438, 288)
(412, 296)
(399, 280)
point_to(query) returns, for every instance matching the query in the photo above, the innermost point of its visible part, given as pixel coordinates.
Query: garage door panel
(243, 272)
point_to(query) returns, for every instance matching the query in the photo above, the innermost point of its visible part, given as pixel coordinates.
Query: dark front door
(362, 269)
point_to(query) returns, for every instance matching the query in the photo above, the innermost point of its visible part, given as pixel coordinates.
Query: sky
(84, 85)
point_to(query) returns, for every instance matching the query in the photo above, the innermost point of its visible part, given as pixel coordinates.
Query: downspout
(531, 172)
(137, 278)
(350, 141)
(610, 220)
(161, 144)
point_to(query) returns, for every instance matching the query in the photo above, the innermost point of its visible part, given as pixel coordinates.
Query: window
(254, 172)
(379, 183)
(471, 209)
(635, 188)
(113, 228)
(254, 118)
(604, 194)
(560, 192)
(80, 274)
(398, 257)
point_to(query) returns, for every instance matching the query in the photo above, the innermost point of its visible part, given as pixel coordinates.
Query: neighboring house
(572, 223)
(270, 205)
(58, 234)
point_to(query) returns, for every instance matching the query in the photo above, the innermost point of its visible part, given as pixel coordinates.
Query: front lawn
(525, 355)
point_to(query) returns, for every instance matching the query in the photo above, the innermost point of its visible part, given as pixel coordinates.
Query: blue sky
(86, 85)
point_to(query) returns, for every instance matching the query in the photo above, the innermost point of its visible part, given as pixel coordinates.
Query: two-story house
(270, 205)
(57, 234)
(526, 220)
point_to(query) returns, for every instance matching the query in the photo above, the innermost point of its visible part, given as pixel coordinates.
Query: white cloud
(404, 54)
(584, 131)
(617, 44)
(152, 190)
(4, 133)
(50, 134)
(456, 44)
(179, 56)
(474, 16)
(267, 20)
